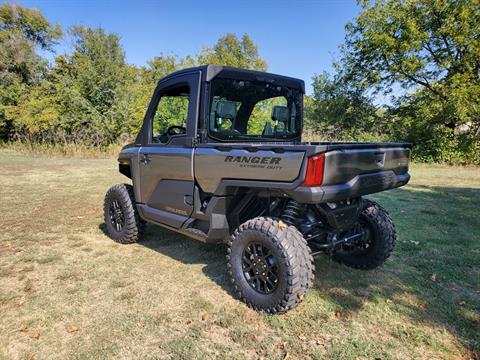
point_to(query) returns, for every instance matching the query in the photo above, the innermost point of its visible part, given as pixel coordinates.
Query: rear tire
(380, 229)
(120, 214)
(264, 243)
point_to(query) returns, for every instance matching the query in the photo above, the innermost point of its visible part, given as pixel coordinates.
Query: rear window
(254, 110)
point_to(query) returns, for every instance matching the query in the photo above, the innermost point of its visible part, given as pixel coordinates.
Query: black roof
(209, 72)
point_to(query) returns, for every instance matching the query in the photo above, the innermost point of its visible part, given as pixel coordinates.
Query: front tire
(120, 214)
(270, 265)
(378, 243)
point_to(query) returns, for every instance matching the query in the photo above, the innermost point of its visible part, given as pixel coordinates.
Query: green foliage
(337, 110)
(171, 110)
(420, 119)
(21, 30)
(90, 96)
(163, 65)
(432, 49)
(232, 51)
(31, 23)
(262, 114)
(85, 97)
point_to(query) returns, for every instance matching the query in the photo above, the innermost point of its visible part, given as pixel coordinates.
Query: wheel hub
(362, 244)
(116, 215)
(260, 268)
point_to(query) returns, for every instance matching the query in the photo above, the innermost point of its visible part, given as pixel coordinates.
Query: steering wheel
(171, 130)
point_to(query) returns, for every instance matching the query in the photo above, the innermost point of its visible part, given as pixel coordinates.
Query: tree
(87, 96)
(99, 66)
(232, 51)
(427, 45)
(336, 110)
(90, 95)
(431, 48)
(31, 23)
(163, 65)
(21, 31)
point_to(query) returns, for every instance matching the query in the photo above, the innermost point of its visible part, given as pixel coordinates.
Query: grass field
(68, 291)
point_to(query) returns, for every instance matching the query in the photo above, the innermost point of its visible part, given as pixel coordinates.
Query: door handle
(145, 159)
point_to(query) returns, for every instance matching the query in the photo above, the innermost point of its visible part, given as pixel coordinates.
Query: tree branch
(412, 78)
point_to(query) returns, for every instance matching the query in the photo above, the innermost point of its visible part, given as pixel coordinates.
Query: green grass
(168, 296)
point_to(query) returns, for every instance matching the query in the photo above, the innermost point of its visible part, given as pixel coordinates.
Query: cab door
(166, 156)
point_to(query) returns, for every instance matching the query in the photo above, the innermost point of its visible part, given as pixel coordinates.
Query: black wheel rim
(117, 219)
(364, 244)
(366, 241)
(260, 268)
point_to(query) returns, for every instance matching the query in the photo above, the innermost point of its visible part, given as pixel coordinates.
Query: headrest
(280, 113)
(226, 109)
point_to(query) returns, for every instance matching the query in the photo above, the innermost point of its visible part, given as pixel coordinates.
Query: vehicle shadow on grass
(438, 238)
(433, 276)
(189, 251)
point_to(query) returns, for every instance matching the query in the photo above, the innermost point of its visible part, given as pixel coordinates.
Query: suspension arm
(335, 243)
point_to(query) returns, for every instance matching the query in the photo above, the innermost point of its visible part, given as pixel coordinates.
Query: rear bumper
(360, 185)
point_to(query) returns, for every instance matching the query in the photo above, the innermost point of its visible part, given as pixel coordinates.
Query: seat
(280, 115)
(224, 110)
(267, 130)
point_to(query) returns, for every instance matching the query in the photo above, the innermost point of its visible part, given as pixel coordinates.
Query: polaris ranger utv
(230, 167)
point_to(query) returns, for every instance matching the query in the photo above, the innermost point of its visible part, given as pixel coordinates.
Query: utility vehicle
(219, 158)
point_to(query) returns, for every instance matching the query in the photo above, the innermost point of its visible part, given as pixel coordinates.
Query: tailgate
(341, 166)
(354, 172)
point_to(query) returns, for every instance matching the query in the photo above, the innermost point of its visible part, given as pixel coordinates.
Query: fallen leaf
(461, 303)
(302, 337)
(338, 314)
(36, 335)
(30, 356)
(300, 296)
(348, 316)
(433, 277)
(205, 317)
(283, 345)
(73, 328)
(21, 301)
(389, 301)
(24, 328)
(320, 342)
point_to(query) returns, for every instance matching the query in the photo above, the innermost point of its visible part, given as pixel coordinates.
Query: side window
(263, 119)
(171, 115)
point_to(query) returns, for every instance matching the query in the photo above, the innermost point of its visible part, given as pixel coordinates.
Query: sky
(296, 38)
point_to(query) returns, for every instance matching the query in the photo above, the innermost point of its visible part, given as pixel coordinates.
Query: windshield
(253, 110)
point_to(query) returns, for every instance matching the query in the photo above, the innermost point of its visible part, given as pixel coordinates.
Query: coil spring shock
(291, 212)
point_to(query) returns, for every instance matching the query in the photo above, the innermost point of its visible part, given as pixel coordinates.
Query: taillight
(314, 175)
